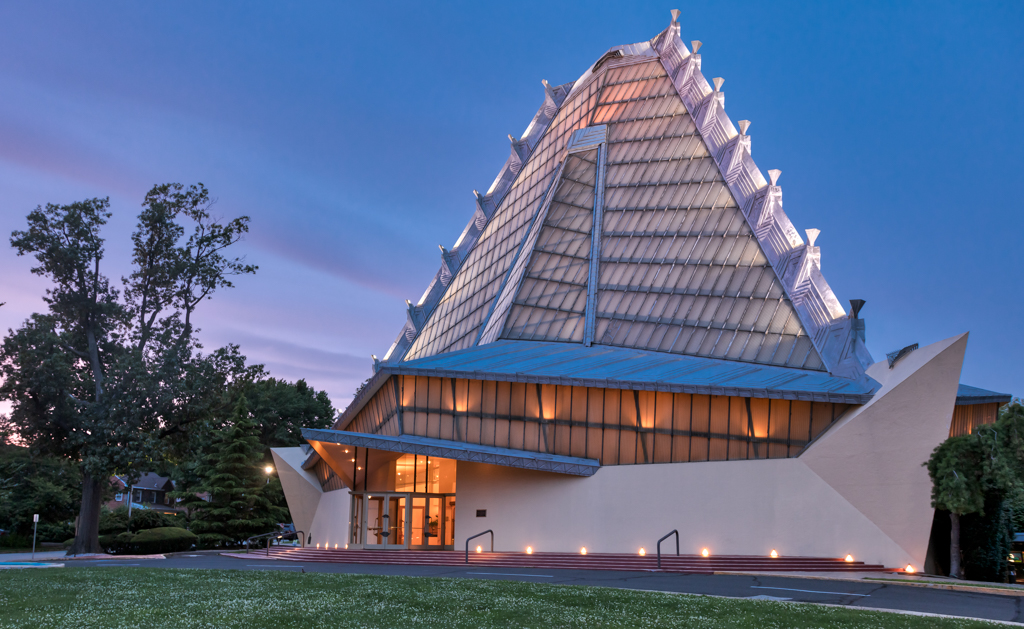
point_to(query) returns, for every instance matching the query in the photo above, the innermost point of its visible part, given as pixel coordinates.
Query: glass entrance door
(393, 521)
(383, 521)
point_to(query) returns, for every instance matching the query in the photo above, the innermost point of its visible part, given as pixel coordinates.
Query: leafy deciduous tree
(104, 373)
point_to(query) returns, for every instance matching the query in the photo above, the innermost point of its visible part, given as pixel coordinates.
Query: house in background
(150, 491)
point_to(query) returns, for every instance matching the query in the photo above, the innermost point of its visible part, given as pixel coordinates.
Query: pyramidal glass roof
(616, 226)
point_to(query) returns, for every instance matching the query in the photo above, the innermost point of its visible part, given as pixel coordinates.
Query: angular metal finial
(675, 15)
(718, 83)
(545, 83)
(744, 125)
(773, 174)
(512, 138)
(696, 45)
(812, 235)
(441, 247)
(408, 302)
(855, 306)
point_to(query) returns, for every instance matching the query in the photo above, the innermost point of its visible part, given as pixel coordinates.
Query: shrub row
(166, 539)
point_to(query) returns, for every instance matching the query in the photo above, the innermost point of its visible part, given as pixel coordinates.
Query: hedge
(166, 539)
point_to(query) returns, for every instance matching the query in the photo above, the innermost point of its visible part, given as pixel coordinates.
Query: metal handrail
(674, 532)
(468, 539)
(278, 535)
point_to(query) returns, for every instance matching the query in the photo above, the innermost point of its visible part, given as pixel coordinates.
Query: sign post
(35, 523)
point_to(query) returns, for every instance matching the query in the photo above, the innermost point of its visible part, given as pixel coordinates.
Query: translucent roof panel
(552, 298)
(455, 322)
(680, 270)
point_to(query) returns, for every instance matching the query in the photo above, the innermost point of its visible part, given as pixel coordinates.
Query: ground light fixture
(909, 569)
(318, 545)
(642, 551)
(335, 546)
(268, 469)
(479, 549)
(774, 554)
(704, 552)
(849, 559)
(583, 551)
(529, 550)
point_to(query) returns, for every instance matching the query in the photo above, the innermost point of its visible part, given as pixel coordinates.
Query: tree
(281, 410)
(238, 505)
(971, 473)
(102, 375)
(47, 485)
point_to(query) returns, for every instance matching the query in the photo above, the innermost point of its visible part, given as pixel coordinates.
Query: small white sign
(35, 517)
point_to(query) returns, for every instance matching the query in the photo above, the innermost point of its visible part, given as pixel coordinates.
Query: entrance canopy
(458, 451)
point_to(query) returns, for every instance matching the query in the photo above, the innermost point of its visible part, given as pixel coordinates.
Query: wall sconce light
(909, 569)
(583, 551)
(642, 551)
(849, 559)
(529, 550)
(479, 549)
(704, 552)
(774, 554)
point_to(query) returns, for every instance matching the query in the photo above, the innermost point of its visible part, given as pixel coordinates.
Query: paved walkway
(849, 592)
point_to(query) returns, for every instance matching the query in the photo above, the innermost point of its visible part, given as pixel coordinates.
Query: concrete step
(591, 561)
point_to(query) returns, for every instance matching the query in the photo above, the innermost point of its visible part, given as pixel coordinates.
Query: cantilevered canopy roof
(631, 215)
(967, 395)
(457, 450)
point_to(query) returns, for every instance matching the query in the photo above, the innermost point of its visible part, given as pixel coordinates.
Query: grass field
(140, 598)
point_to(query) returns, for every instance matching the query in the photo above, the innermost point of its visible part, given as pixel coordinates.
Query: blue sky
(354, 135)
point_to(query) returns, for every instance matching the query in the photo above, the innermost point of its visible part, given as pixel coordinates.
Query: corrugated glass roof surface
(552, 298)
(455, 322)
(680, 269)
(616, 367)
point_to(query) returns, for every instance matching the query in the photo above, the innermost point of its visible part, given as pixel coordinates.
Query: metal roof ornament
(812, 235)
(696, 45)
(744, 125)
(773, 174)
(718, 83)
(675, 16)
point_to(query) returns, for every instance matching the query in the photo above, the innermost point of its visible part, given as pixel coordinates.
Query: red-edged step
(590, 561)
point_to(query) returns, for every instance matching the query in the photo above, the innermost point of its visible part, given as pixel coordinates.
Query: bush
(167, 539)
(13, 540)
(55, 531)
(116, 521)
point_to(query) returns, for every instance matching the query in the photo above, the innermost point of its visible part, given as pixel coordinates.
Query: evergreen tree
(240, 504)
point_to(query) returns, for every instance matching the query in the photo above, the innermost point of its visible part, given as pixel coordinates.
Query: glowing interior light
(359, 468)
(704, 552)
(346, 546)
(774, 554)
(642, 552)
(583, 551)
(849, 558)
(346, 451)
(909, 569)
(353, 460)
(479, 549)
(529, 550)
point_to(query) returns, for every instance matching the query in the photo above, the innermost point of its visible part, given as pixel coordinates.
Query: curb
(955, 587)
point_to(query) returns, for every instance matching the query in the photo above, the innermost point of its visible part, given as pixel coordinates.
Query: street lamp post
(269, 470)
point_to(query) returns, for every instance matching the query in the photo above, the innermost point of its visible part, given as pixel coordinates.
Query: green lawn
(140, 598)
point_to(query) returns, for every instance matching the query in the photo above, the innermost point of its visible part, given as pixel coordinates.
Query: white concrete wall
(729, 507)
(330, 525)
(324, 516)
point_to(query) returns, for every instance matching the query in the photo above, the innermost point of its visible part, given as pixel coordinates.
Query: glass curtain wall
(616, 427)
